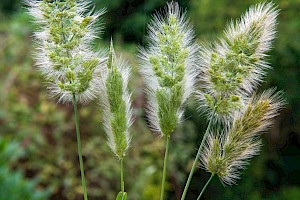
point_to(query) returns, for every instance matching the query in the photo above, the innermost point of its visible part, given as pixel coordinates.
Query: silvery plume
(233, 67)
(168, 65)
(116, 103)
(227, 153)
(63, 53)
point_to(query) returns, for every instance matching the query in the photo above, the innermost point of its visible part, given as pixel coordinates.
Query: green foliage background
(42, 132)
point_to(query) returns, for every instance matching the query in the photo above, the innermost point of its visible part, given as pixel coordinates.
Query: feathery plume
(228, 153)
(168, 66)
(63, 53)
(233, 67)
(116, 104)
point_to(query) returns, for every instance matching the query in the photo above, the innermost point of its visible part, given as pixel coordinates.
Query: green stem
(79, 148)
(205, 186)
(122, 176)
(164, 169)
(197, 157)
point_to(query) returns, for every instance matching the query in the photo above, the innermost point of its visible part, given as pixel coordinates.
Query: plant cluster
(222, 75)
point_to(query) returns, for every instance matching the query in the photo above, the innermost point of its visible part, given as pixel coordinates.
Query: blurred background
(38, 152)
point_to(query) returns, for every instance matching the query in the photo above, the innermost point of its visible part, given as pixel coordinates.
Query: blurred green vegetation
(13, 185)
(42, 132)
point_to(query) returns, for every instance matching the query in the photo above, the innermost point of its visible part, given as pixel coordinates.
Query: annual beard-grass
(64, 56)
(115, 100)
(223, 75)
(231, 70)
(169, 66)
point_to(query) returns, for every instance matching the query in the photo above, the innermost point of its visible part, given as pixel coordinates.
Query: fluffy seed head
(233, 67)
(226, 154)
(116, 104)
(63, 54)
(168, 66)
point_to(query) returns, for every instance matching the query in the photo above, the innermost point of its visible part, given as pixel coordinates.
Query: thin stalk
(164, 169)
(205, 186)
(197, 157)
(122, 176)
(79, 148)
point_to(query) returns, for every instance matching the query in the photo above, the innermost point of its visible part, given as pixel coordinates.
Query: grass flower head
(168, 66)
(116, 103)
(227, 153)
(234, 66)
(63, 53)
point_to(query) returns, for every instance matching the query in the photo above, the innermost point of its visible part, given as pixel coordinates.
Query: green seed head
(235, 66)
(116, 104)
(168, 68)
(241, 140)
(64, 56)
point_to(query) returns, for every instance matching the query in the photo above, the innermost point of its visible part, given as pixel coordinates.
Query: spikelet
(233, 67)
(168, 66)
(116, 104)
(63, 54)
(227, 154)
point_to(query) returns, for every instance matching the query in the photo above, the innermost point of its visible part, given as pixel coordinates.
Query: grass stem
(197, 157)
(164, 169)
(79, 148)
(122, 176)
(205, 186)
